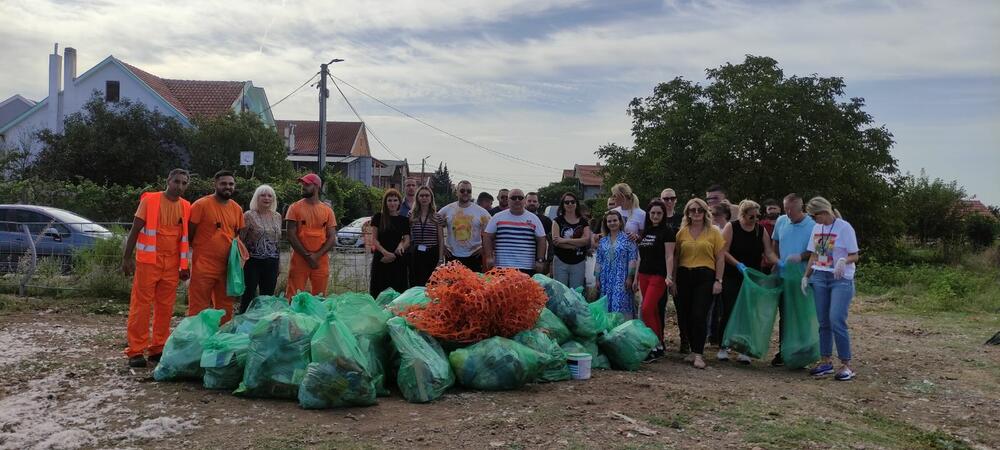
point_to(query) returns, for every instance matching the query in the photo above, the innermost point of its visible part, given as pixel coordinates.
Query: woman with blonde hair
(700, 248)
(747, 243)
(830, 271)
(427, 234)
(261, 236)
(628, 208)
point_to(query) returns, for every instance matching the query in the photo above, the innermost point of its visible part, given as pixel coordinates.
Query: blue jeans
(572, 275)
(833, 299)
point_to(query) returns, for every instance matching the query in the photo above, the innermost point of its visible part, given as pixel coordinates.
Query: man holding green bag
(791, 236)
(215, 221)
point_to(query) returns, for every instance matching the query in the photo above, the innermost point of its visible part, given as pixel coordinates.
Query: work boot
(137, 361)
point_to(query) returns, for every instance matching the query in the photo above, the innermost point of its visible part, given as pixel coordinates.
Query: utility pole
(423, 170)
(323, 94)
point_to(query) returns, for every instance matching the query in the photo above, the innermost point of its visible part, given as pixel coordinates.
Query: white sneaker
(744, 359)
(723, 355)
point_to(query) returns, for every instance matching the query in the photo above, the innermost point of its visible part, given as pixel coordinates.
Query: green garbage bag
(556, 369)
(181, 358)
(599, 310)
(424, 373)
(800, 329)
(752, 319)
(361, 314)
(628, 344)
(259, 308)
(386, 296)
(414, 296)
(310, 305)
(338, 374)
(224, 359)
(235, 284)
(551, 325)
(496, 364)
(615, 319)
(597, 361)
(278, 355)
(569, 306)
(375, 349)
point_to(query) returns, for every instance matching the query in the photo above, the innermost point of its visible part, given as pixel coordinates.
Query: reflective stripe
(184, 238)
(145, 248)
(149, 232)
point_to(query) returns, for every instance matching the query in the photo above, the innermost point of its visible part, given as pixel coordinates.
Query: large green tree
(931, 209)
(552, 194)
(112, 143)
(760, 134)
(215, 143)
(441, 185)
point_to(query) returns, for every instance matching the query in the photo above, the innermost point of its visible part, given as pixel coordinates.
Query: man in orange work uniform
(215, 221)
(160, 234)
(312, 232)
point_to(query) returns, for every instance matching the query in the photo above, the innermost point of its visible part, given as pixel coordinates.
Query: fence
(85, 259)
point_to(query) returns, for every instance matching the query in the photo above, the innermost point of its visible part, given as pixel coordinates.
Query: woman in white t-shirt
(834, 248)
(628, 207)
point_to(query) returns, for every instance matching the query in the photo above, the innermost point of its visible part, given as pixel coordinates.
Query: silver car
(353, 234)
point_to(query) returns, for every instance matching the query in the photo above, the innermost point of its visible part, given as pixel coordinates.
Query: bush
(97, 269)
(981, 231)
(970, 287)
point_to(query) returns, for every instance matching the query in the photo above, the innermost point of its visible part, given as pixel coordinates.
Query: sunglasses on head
(516, 198)
(696, 210)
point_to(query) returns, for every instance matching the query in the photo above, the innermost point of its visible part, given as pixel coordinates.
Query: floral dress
(614, 257)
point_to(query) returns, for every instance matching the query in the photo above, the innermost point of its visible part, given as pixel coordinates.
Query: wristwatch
(718, 280)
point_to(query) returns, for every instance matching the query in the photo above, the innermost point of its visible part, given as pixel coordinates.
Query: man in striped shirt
(515, 238)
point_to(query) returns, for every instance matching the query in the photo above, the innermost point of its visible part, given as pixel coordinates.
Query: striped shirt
(514, 237)
(424, 233)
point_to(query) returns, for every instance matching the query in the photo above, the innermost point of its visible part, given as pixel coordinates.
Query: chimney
(53, 110)
(69, 68)
(291, 137)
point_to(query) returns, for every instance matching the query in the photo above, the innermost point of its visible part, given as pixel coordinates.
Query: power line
(474, 144)
(272, 105)
(356, 114)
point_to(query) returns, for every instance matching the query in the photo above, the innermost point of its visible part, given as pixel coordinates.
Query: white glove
(794, 258)
(838, 269)
(805, 285)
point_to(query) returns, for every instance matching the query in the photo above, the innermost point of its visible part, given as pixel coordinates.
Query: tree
(441, 186)
(112, 143)
(760, 134)
(552, 194)
(216, 143)
(930, 209)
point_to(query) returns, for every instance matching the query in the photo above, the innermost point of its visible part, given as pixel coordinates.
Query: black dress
(393, 274)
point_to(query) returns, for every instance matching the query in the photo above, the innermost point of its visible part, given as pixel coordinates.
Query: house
(114, 79)
(390, 173)
(591, 180)
(346, 147)
(969, 207)
(13, 107)
(423, 178)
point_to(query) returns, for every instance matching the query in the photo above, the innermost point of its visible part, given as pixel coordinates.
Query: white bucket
(579, 365)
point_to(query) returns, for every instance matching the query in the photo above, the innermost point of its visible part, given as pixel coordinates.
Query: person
(672, 218)
(656, 264)
(159, 239)
(261, 236)
(720, 217)
(791, 235)
(485, 201)
(721, 214)
(410, 189)
(614, 271)
(596, 223)
(570, 240)
(715, 195)
(628, 207)
(699, 274)
(771, 212)
(312, 231)
(427, 236)
(531, 203)
(830, 272)
(216, 220)
(392, 238)
(515, 238)
(503, 201)
(465, 224)
(747, 244)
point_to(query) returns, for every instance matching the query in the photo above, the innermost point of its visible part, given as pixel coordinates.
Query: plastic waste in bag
(181, 358)
(278, 355)
(628, 344)
(496, 364)
(556, 369)
(339, 373)
(424, 373)
(752, 320)
(569, 306)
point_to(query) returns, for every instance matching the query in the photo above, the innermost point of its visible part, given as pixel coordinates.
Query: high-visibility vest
(145, 246)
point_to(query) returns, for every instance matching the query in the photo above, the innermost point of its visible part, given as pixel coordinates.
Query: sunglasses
(668, 199)
(697, 210)
(465, 191)
(569, 202)
(516, 198)
(754, 217)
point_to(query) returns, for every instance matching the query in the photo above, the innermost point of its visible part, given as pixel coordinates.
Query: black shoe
(777, 361)
(137, 361)
(155, 358)
(685, 348)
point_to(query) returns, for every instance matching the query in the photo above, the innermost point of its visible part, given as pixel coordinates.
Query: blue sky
(548, 80)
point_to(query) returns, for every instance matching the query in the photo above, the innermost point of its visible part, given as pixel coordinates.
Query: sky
(546, 81)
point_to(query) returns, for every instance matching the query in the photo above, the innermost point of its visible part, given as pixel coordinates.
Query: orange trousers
(208, 290)
(154, 290)
(299, 271)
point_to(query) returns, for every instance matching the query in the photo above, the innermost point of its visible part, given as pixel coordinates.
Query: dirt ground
(923, 383)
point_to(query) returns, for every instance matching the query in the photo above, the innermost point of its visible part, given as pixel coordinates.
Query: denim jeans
(833, 299)
(572, 275)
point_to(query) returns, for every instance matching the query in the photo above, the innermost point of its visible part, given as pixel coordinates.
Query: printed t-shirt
(515, 238)
(465, 228)
(832, 242)
(652, 260)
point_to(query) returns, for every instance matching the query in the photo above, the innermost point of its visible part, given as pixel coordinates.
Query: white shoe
(744, 359)
(723, 355)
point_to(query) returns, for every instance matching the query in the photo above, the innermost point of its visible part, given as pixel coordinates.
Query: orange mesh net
(466, 307)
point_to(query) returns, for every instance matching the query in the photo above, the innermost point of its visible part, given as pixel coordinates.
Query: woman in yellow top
(700, 265)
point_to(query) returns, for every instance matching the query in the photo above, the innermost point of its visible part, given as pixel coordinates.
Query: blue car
(56, 232)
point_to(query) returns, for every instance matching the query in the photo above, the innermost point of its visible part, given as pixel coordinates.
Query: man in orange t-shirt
(312, 232)
(215, 221)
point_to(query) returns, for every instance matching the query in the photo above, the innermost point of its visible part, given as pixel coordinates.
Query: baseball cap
(310, 178)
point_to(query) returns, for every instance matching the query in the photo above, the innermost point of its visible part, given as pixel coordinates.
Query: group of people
(697, 254)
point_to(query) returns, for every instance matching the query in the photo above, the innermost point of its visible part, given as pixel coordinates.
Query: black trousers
(731, 284)
(260, 276)
(694, 298)
(422, 265)
(388, 275)
(474, 262)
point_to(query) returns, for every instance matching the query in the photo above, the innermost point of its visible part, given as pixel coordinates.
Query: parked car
(56, 233)
(353, 234)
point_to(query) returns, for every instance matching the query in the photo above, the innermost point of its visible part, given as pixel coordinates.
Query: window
(37, 222)
(112, 90)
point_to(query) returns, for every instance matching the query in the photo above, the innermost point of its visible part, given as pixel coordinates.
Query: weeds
(971, 287)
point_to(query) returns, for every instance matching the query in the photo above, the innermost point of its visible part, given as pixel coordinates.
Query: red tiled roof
(340, 136)
(568, 173)
(969, 207)
(193, 98)
(589, 175)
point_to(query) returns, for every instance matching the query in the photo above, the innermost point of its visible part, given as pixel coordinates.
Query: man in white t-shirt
(515, 238)
(466, 222)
